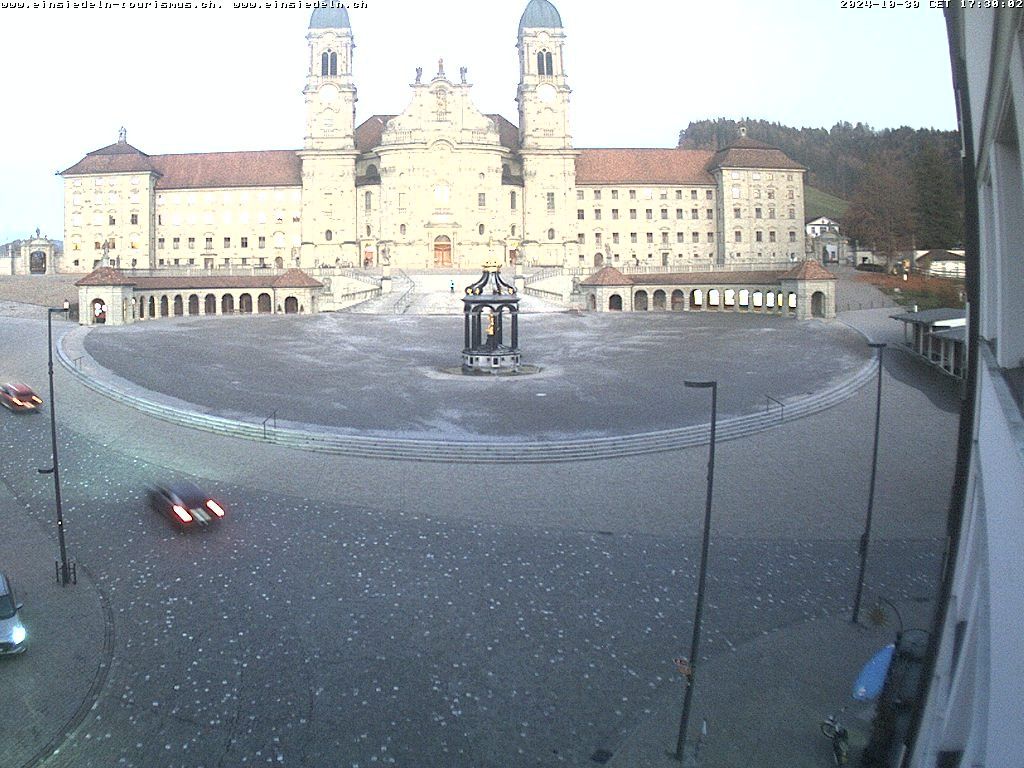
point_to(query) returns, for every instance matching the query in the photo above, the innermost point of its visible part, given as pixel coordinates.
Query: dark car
(12, 631)
(867, 267)
(185, 504)
(19, 397)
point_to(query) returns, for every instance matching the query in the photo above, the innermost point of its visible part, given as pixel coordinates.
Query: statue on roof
(37, 233)
(419, 74)
(122, 136)
(440, 67)
(462, 74)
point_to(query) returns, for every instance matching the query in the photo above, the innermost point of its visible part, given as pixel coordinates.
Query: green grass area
(818, 203)
(926, 299)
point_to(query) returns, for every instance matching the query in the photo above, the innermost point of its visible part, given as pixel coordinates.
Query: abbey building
(439, 186)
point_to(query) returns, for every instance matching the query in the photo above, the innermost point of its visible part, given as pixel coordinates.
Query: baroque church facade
(439, 186)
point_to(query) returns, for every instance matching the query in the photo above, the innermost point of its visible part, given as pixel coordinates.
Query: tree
(881, 213)
(937, 208)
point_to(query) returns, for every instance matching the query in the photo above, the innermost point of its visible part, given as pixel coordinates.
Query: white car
(12, 631)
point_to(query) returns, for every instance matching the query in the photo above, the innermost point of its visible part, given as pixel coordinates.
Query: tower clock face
(328, 94)
(546, 93)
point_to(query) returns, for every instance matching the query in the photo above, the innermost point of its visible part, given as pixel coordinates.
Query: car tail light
(37, 399)
(214, 507)
(182, 513)
(16, 401)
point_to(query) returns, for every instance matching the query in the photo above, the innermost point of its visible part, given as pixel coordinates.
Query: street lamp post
(65, 571)
(865, 537)
(691, 667)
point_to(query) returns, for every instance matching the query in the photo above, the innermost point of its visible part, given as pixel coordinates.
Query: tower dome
(540, 13)
(330, 18)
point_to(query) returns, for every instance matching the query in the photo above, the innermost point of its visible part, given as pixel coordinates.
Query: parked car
(866, 267)
(12, 631)
(19, 397)
(185, 504)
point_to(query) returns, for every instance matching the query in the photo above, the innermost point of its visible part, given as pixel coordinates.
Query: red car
(19, 397)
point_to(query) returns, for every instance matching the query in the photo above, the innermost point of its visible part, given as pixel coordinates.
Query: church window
(580, 214)
(111, 220)
(227, 242)
(176, 243)
(759, 236)
(711, 213)
(209, 244)
(368, 230)
(245, 242)
(694, 214)
(191, 242)
(551, 205)
(324, 63)
(160, 243)
(545, 63)
(757, 213)
(615, 213)
(597, 214)
(650, 237)
(334, 63)
(679, 237)
(738, 236)
(615, 238)
(615, 194)
(663, 195)
(792, 236)
(135, 218)
(632, 194)
(579, 194)
(372, 172)
(771, 236)
(328, 235)
(480, 229)
(597, 238)
(597, 194)
(512, 199)
(695, 237)
(481, 200)
(664, 237)
(650, 214)
(709, 194)
(679, 213)
(551, 234)
(581, 238)
(771, 213)
(262, 242)
(513, 230)
(632, 237)
(711, 237)
(368, 201)
(736, 213)
(632, 213)
(792, 213)
(401, 229)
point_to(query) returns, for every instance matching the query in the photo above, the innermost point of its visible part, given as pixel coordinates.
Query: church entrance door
(442, 251)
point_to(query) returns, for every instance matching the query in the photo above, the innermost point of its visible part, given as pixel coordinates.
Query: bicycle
(836, 732)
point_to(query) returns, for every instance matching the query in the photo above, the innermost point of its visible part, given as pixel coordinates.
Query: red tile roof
(264, 168)
(292, 278)
(370, 131)
(606, 276)
(106, 276)
(643, 166)
(808, 270)
(749, 153)
(121, 157)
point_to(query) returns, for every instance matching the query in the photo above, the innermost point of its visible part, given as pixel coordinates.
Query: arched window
(541, 63)
(324, 64)
(372, 172)
(551, 234)
(549, 63)
(545, 64)
(368, 201)
(480, 229)
(334, 63)
(328, 235)
(401, 229)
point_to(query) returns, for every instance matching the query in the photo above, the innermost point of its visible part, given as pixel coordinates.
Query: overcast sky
(229, 79)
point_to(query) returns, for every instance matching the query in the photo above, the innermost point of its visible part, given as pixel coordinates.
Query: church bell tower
(329, 153)
(549, 161)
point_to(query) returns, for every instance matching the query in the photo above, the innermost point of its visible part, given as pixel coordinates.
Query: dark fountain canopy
(485, 305)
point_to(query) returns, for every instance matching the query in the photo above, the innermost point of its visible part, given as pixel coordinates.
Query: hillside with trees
(902, 185)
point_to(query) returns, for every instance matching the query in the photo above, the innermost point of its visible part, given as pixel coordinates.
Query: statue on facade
(419, 74)
(440, 67)
(462, 74)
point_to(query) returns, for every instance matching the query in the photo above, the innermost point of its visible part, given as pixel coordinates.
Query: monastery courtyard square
(398, 375)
